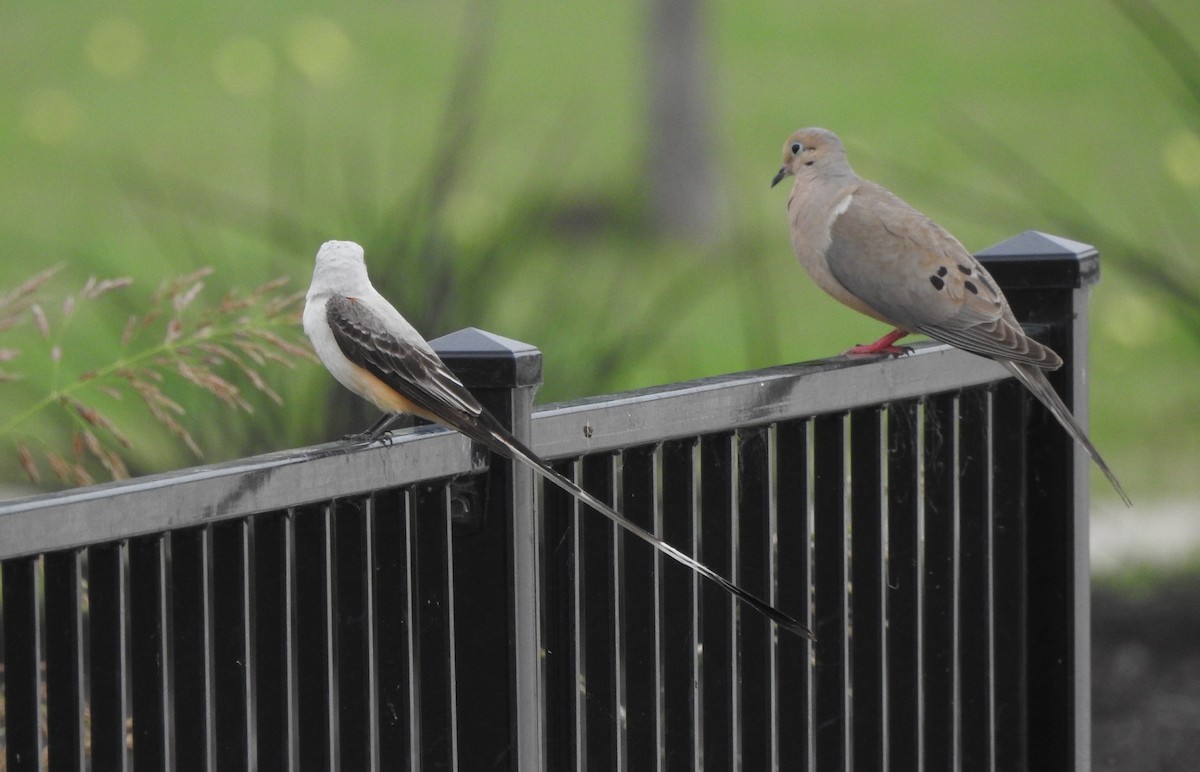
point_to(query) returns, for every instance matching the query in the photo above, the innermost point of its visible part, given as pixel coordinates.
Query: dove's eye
(796, 148)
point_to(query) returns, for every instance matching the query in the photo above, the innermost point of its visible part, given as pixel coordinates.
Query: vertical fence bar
(412, 604)
(370, 624)
(696, 511)
(1048, 282)
(598, 581)
(794, 682)
(316, 694)
(149, 634)
(581, 622)
(772, 567)
(434, 620)
(192, 650)
(1010, 577)
(867, 578)
(482, 622)
(108, 612)
(64, 660)
(938, 634)
(232, 609)
(976, 651)
(754, 631)
(352, 620)
(22, 665)
(274, 640)
(903, 599)
(639, 580)
(832, 608)
(658, 605)
(716, 607)
(619, 592)
(562, 631)
(394, 631)
(679, 605)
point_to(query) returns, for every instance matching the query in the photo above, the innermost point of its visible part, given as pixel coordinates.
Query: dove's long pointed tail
(1035, 380)
(500, 441)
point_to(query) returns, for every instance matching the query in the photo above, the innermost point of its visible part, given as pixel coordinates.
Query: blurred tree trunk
(681, 171)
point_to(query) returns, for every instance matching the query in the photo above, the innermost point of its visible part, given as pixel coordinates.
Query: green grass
(146, 164)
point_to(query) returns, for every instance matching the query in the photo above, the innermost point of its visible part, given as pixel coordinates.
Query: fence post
(1047, 280)
(496, 567)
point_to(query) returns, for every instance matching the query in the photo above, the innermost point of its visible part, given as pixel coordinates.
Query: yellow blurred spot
(116, 48)
(1133, 321)
(1181, 156)
(51, 116)
(320, 49)
(244, 66)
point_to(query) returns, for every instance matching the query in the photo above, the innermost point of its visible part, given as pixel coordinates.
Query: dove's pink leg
(884, 345)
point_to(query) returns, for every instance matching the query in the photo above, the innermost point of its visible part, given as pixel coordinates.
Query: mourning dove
(879, 256)
(374, 352)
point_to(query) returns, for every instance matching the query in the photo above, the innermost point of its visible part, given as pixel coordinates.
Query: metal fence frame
(527, 634)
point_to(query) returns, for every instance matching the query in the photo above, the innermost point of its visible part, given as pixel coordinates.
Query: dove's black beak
(779, 177)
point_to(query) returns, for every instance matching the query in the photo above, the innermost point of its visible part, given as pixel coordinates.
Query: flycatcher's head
(340, 268)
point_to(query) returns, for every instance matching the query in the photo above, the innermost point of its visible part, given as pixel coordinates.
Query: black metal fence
(424, 606)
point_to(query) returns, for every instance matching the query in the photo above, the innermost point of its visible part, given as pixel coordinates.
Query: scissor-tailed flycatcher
(372, 350)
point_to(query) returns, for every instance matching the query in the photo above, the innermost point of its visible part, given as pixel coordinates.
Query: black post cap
(484, 360)
(1035, 260)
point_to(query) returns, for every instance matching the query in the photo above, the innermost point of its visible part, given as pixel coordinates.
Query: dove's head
(340, 268)
(812, 151)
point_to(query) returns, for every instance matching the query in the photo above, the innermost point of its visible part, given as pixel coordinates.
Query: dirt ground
(1146, 675)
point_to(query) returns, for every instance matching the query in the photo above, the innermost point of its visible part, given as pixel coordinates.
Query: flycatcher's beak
(779, 177)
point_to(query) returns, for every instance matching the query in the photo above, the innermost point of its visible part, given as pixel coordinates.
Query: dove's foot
(884, 345)
(895, 351)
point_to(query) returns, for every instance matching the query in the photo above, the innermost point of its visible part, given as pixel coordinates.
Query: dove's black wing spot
(971, 288)
(965, 269)
(942, 271)
(937, 282)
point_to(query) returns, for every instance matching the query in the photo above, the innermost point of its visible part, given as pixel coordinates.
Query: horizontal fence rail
(208, 494)
(417, 604)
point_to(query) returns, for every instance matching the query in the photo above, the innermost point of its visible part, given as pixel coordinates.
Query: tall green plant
(61, 423)
(532, 263)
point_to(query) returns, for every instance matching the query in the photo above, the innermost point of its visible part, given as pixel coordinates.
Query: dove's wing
(921, 278)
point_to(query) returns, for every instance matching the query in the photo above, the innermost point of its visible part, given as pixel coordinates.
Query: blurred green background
(498, 162)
